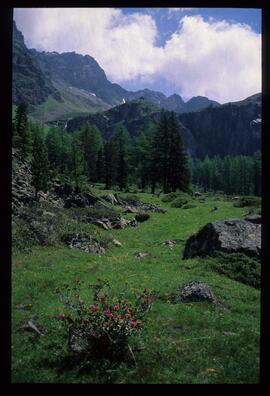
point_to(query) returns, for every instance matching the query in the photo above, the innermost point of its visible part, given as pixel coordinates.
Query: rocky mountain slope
(60, 86)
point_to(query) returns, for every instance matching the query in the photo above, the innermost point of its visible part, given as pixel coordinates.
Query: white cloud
(220, 60)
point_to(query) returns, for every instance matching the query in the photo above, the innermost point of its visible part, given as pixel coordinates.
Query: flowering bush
(102, 327)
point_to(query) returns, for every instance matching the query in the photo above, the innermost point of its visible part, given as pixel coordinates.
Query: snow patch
(256, 121)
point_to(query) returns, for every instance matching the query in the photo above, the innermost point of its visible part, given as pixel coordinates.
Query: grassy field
(183, 343)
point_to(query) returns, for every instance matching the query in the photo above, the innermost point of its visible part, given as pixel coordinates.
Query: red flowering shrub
(102, 327)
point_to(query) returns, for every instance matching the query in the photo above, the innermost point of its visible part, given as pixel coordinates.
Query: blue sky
(214, 52)
(167, 21)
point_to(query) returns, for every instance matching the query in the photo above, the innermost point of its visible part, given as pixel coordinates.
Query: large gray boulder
(228, 236)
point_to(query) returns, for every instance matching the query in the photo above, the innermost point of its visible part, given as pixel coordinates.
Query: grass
(180, 343)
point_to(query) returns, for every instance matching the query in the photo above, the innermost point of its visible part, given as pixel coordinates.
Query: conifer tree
(40, 164)
(109, 164)
(91, 142)
(22, 138)
(122, 144)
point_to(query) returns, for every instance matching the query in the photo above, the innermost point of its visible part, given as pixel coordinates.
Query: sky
(213, 52)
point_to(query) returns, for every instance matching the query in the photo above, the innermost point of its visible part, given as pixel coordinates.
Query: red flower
(61, 316)
(94, 307)
(132, 323)
(145, 290)
(108, 313)
(117, 306)
(127, 315)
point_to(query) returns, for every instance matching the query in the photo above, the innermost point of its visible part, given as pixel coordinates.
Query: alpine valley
(136, 229)
(69, 89)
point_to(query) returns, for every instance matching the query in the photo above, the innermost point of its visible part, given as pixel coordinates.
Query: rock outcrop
(84, 242)
(229, 236)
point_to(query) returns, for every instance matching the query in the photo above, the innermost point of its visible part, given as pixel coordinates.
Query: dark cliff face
(79, 71)
(30, 85)
(233, 128)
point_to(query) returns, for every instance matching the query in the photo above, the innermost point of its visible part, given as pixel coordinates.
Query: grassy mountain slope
(75, 102)
(180, 343)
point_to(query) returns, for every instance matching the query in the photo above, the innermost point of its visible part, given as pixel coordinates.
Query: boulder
(117, 243)
(196, 292)
(141, 254)
(85, 242)
(256, 219)
(110, 198)
(228, 236)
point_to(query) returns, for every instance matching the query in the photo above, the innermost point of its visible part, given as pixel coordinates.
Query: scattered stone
(29, 325)
(84, 242)
(141, 254)
(103, 224)
(130, 209)
(24, 307)
(110, 198)
(254, 218)
(78, 342)
(229, 236)
(196, 292)
(169, 243)
(117, 243)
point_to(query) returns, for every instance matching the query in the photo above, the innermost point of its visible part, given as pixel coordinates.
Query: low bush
(237, 266)
(179, 202)
(141, 217)
(173, 195)
(189, 206)
(248, 201)
(101, 325)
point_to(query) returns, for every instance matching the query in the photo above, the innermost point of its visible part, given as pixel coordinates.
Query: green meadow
(181, 343)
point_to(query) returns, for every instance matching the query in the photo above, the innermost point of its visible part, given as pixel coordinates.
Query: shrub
(101, 327)
(179, 202)
(173, 195)
(237, 266)
(248, 201)
(141, 217)
(188, 206)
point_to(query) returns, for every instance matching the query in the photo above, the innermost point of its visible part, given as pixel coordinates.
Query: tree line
(230, 174)
(155, 159)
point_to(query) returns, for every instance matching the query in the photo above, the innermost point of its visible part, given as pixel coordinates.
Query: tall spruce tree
(40, 164)
(91, 142)
(122, 144)
(77, 164)
(177, 169)
(22, 138)
(169, 161)
(110, 156)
